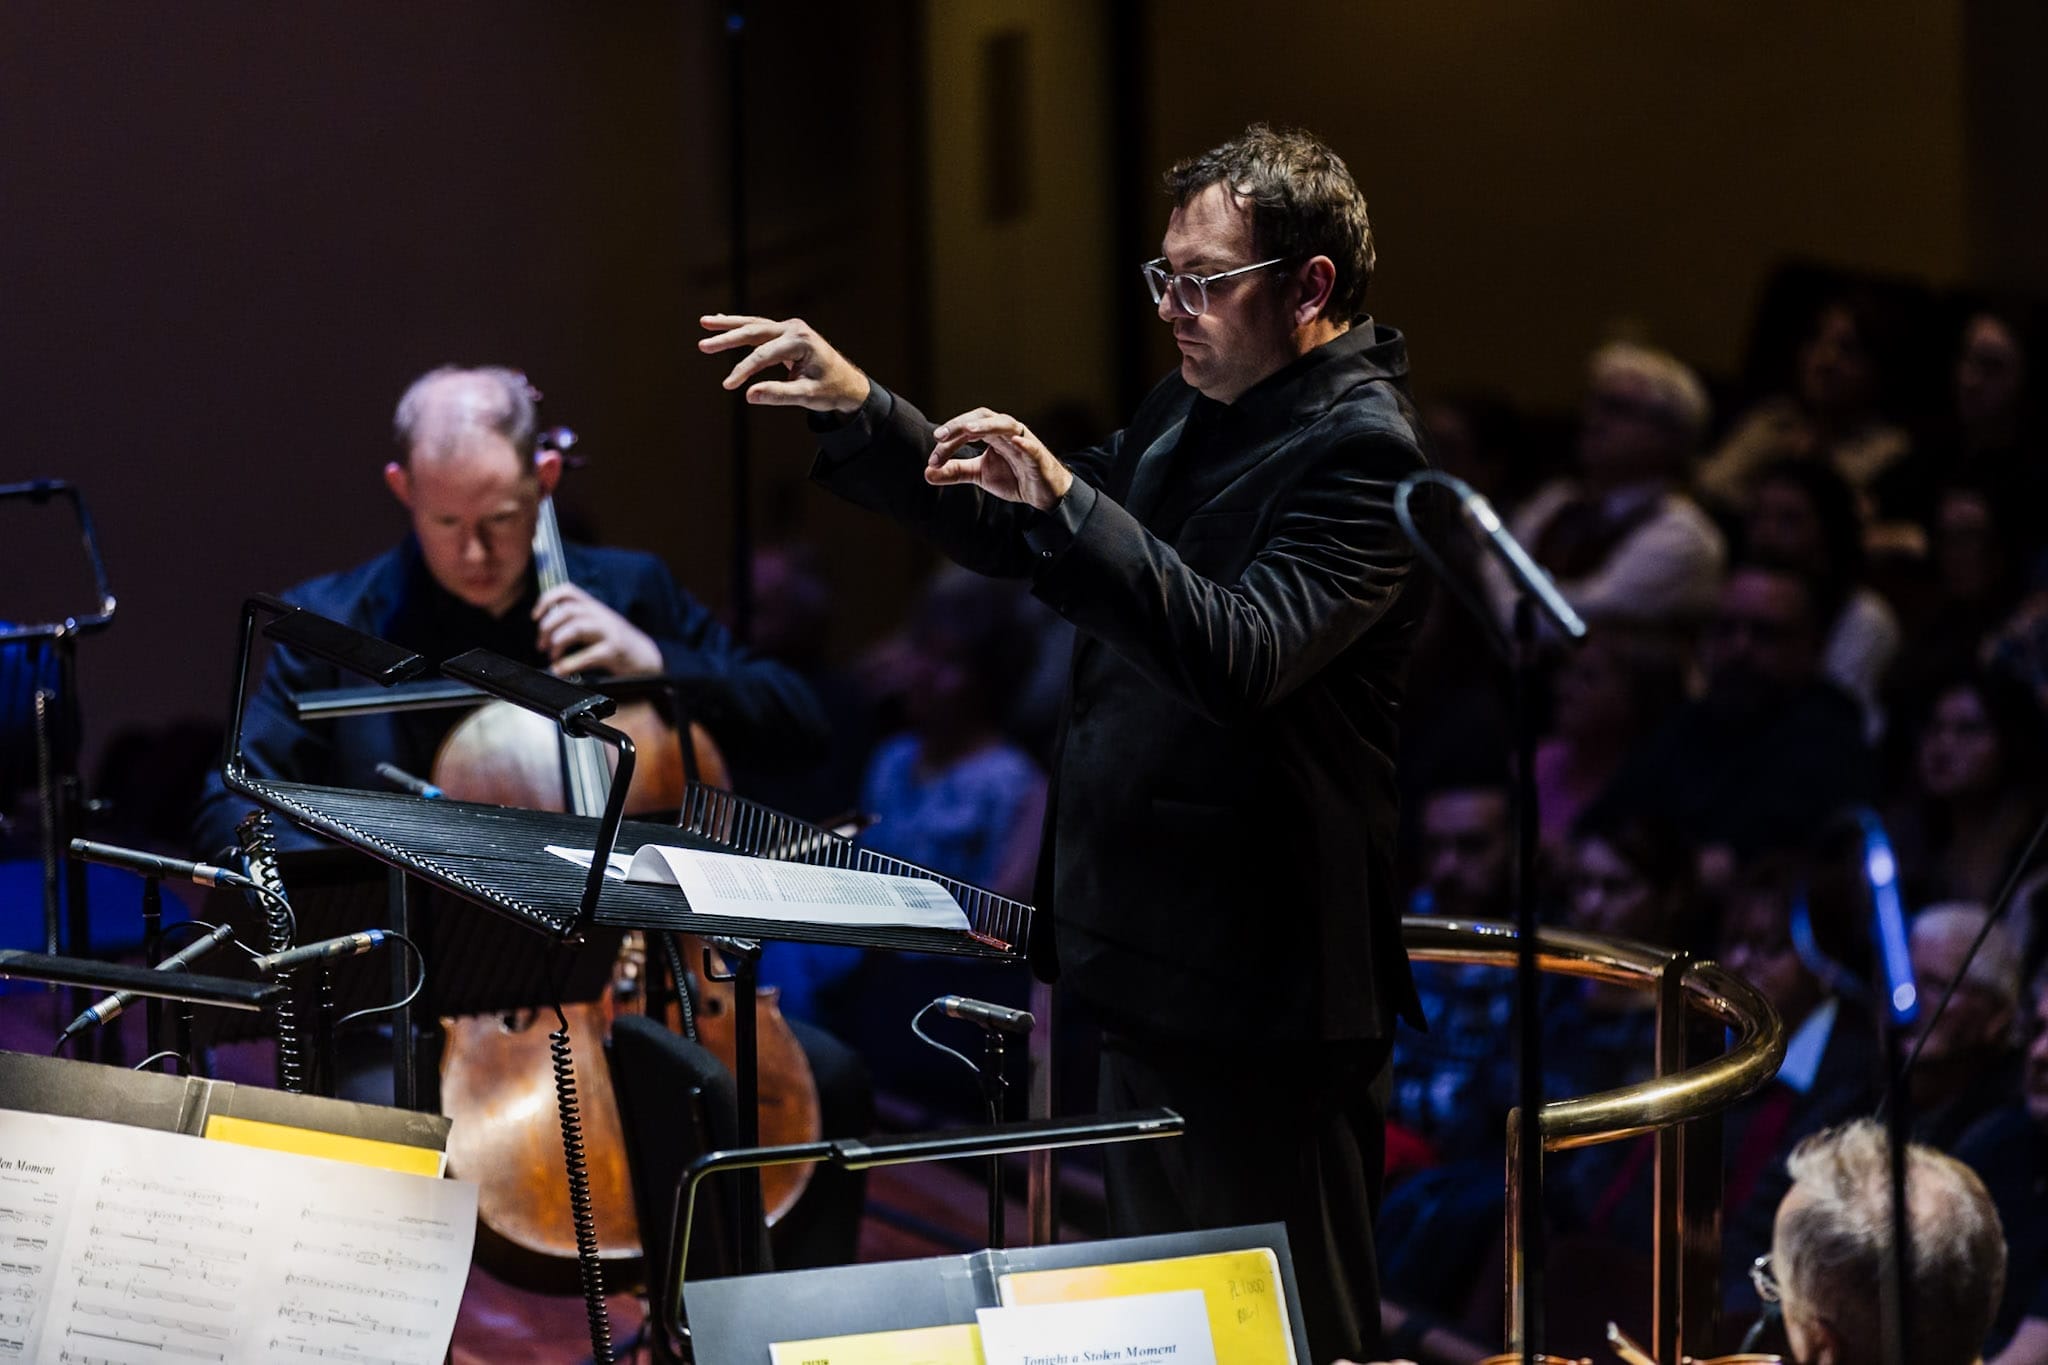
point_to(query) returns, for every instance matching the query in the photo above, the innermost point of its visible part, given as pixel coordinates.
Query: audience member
(1771, 751)
(1974, 795)
(2010, 1151)
(1631, 880)
(1830, 1071)
(1803, 514)
(1991, 434)
(792, 624)
(1831, 414)
(1442, 1078)
(1976, 587)
(953, 794)
(1966, 1064)
(1623, 540)
(949, 794)
(1834, 1239)
(1607, 698)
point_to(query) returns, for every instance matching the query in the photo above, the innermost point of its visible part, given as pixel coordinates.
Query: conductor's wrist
(1059, 480)
(853, 395)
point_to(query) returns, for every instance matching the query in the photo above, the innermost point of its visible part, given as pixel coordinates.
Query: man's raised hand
(1012, 464)
(815, 375)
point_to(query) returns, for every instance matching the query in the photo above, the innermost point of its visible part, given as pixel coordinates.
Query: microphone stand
(993, 1084)
(1534, 592)
(1528, 1156)
(152, 953)
(67, 921)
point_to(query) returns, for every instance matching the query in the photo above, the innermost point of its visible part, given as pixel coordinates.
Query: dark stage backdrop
(233, 231)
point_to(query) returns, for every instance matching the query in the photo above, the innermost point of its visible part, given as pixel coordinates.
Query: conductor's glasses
(1191, 292)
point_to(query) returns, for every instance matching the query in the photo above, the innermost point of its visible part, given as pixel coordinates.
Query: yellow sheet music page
(953, 1345)
(281, 1137)
(1241, 1289)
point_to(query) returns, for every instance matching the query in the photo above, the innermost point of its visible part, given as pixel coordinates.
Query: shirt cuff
(1055, 529)
(840, 438)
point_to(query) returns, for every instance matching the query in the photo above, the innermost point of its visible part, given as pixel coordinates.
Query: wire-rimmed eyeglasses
(1191, 292)
(1765, 1279)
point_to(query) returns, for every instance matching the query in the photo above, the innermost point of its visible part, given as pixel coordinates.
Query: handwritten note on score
(122, 1244)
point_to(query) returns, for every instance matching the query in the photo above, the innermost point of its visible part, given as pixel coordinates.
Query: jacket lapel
(1150, 474)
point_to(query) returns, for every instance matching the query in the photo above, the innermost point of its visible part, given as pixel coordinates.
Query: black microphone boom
(998, 1017)
(1528, 575)
(150, 865)
(109, 1009)
(347, 945)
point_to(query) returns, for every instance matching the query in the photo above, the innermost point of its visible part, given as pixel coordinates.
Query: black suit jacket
(753, 705)
(1218, 860)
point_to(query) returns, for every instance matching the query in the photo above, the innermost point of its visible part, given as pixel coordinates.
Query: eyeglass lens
(1189, 294)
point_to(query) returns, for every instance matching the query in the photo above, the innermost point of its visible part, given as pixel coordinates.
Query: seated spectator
(1631, 880)
(1608, 697)
(1830, 1071)
(1991, 434)
(1966, 1065)
(1997, 384)
(1803, 514)
(1442, 1078)
(1831, 412)
(1478, 438)
(2010, 1151)
(1770, 751)
(1975, 795)
(951, 794)
(1976, 587)
(1622, 540)
(1834, 1239)
(792, 624)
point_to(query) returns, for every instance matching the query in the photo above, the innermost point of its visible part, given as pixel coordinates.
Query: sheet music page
(762, 888)
(162, 1247)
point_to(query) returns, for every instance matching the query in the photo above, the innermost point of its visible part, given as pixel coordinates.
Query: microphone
(150, 865)
(109, 1009)
(998, 1017)
(347, 945)
(406, 782)
(1525, 571)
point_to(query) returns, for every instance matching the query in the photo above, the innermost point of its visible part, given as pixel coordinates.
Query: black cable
(672, 953)
(183, 1061)
(933, 1042)
(258, 841)
(419, 980)
(1993, 914)
(589, 1267)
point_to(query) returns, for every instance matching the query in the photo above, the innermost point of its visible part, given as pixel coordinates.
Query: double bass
(496, 1081)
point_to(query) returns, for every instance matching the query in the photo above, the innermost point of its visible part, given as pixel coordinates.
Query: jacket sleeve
(1330, 566)
(754, 706)
(877, 459)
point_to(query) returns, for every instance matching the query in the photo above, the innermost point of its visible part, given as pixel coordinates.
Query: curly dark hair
(1304, 203)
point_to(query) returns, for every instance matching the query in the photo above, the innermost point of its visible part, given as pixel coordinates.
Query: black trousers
(1288, 1133)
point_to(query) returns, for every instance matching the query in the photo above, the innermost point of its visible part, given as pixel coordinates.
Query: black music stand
(496, 857)
(60, 786)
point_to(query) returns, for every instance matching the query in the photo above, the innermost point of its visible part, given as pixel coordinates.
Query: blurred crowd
(1820, 588)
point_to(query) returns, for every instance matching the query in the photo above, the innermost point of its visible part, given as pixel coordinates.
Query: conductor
(1217, 861)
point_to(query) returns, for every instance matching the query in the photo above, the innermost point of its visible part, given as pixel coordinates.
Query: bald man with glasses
(1216, 886)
